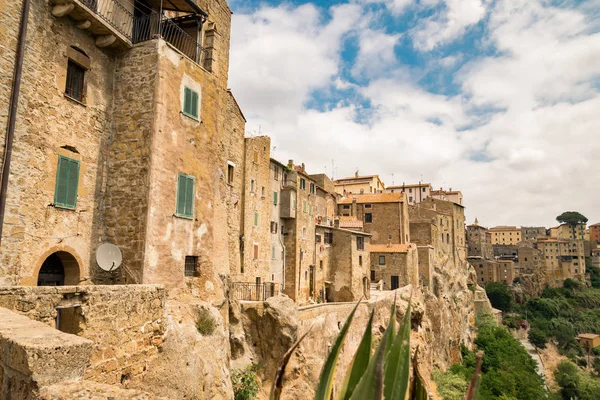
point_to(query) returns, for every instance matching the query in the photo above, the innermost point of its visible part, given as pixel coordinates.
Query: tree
(538, 338)
(499, 295)
(572, 218)
(567, 377)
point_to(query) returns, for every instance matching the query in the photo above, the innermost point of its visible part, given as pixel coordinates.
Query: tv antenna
(109, 257)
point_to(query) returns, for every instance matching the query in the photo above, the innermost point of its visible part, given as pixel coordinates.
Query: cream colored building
(415, 193)
(454, 196)
(563, 259)
(359, 185)
(505, 235)
(566, 231)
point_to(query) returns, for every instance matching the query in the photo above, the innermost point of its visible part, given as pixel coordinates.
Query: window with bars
(67, 182)
(185, 196)
(190, 102)
(75, 81)
(360, 243)
(190, 265)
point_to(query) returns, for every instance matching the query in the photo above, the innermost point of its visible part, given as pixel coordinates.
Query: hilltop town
(123, 131)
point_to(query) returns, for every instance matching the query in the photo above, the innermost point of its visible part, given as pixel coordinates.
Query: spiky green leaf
(359, 363)
(328, 372)
(278, 381)
(397, 362)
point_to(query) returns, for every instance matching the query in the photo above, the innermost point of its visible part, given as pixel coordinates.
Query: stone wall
(27, 364)
(348, 269)
(125, 323)
(404, 265)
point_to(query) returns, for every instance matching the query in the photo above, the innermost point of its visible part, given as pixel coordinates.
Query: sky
(499, 99)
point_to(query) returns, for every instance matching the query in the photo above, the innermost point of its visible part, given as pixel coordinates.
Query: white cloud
(541, 146)
(449, 23)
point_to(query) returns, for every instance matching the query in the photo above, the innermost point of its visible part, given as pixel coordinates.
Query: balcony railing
(142, 28)
(253, 291)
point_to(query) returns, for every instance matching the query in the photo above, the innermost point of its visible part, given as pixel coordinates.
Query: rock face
(440, 324)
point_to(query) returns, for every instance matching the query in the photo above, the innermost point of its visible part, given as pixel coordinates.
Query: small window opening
(190, 265)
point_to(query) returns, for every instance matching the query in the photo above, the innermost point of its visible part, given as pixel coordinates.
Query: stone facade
(479, 242)
(487, 270)
(125, 323)
(562, 259)
(505, 235)
(395, 264)
(532, 233)
(595, 233)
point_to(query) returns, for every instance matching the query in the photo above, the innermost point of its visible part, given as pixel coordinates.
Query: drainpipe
(14, 102)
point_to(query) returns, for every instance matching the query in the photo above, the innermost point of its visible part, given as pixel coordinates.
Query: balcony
(118, 23)
(254, 291)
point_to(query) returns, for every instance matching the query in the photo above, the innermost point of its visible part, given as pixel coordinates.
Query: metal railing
(253, 291)
(146, 27)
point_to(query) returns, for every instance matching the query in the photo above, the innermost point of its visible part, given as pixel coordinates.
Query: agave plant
(383, 375)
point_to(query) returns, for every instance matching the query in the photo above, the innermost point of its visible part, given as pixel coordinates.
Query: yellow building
(359, 185)
(575, 232)
(563, 259)
(505, 235)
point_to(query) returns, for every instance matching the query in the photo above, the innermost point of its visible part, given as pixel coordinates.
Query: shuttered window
(185, 196)
(275, 198)
(190, 102)
(67, 181)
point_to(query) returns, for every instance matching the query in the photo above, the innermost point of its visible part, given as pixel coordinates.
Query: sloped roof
(350, 222)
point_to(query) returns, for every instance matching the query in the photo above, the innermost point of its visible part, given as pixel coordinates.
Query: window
(410, 199)
(304, 206)
(372, 275)
(255, 255)
(303, 233)
(67, 182)
(272, 252)
(185, 196)
(230, 172)
(75, 81)
(273, 227)
(262, 191)
(423, 190)
(255, 218)
(368, 206)
(395, 282)
(360, 262)
(381, 260)
(275, 198)
(312, 188)
(302, 184)
(275, 172)
(317, 238)
(328, 237)
(368, 217)
(346, 207)
(252, 186)
(190, 102)
(190, 265)
(409, 190)
(310, 209)
(255, 159)
(360, 243)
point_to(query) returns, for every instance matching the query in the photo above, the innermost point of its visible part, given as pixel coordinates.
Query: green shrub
(538, 338)
(575, 383)
(205, 322)
(596, 351)
(500, 296)
(245, 383)
(451, 386)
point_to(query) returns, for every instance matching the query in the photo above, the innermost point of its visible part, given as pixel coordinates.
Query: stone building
(563, 259)
(505, 235)
(596, 258)
(276, 223)
(531, 260)
(454, 196)
(532, 233)
(384, 216)
(396, 265)
(341, 268)
(479, 241)
(359, 185)
(415, 193)
(506, 251)
(595, 233)
(440, 224)
(506, 272)
(141, 145)
(574, 232)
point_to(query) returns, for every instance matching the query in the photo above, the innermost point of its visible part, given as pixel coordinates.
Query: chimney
(290, 163)
(303, 170)
(353, 208)
(356, 174)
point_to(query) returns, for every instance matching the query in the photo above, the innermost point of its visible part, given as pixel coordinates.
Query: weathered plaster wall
(124, 322)
(46, 121)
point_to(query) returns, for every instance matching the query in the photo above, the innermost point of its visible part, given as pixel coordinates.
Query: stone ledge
(34, 354)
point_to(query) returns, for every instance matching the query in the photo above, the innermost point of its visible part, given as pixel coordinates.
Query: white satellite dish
(109, 257)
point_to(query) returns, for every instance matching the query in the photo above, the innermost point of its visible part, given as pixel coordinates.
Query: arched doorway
(59, 269)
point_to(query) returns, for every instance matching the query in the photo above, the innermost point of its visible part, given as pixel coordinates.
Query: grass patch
(205, 322)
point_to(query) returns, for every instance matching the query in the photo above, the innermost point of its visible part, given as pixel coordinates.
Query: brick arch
(72, 262)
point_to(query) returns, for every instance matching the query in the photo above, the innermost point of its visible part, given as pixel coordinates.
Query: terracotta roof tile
(350, 222)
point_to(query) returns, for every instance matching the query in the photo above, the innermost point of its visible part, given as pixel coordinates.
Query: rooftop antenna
(392, 179)
(109, 257)
(273, 151)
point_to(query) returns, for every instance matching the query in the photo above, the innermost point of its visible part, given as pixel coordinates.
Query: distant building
(574, 232)
(531, 260)
(531, 233)
(415, 193)
(486, 270)
(356, 184)
(505, 272)
(596, 258)
(595, 233)
(479, 241)
(505, 235)
(394, 264)
(563, 259)
(454, 196)
(588, 341)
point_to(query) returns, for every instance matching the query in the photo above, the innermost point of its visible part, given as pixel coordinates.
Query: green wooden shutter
(275, 198)
(181, 190)
(72, 183)
(189, 197)
(194, 104)
(67, 182)
(187, 101)
(255, 218)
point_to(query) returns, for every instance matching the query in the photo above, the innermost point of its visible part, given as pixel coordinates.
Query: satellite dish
(109, 257)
